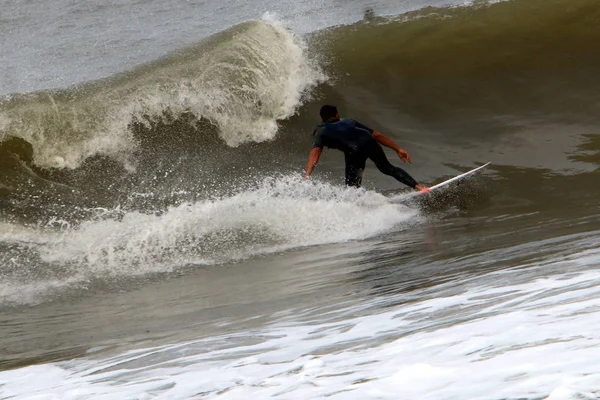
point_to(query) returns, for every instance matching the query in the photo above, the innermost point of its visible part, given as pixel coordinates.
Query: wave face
(194, 158)
(436, 62)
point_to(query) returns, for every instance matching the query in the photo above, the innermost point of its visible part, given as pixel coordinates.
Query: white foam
(472, 346)
(279, 214)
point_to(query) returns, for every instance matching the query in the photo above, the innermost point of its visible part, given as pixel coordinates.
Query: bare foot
(421, 188)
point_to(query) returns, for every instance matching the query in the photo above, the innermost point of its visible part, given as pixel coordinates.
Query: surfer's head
(329, 112)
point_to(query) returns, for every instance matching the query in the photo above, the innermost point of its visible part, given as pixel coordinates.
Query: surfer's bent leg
(377, 155)
(355, 166)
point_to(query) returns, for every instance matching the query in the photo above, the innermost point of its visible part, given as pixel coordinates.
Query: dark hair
(328, 112)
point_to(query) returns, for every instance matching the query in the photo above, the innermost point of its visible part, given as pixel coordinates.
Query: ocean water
(157, 240)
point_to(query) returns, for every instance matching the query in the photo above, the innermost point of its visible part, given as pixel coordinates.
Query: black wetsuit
(358, 145)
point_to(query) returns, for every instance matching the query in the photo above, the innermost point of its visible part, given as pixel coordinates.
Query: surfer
(358, 143)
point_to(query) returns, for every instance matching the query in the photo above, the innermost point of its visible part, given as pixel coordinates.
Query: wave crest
(242, 80)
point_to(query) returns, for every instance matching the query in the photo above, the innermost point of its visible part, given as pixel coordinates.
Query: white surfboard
(439, 185)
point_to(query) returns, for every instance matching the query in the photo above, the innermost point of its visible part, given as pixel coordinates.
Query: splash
(279, 213)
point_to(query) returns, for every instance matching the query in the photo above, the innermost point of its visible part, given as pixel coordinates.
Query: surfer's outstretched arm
(387, 142)
(313, 159)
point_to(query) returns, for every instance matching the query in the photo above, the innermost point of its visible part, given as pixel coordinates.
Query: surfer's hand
(404, 156)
